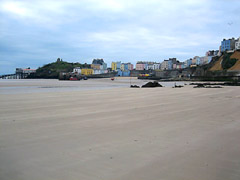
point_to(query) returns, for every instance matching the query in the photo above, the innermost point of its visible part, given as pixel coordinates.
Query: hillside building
(118, 65)
(87, 71)
(22, 73)
(114, 66)
(156, 66)
(237, 44)
(140, 66)
(77, 70)
(150, 65)
(122, 67)
(99, 64)
(212, 53)
(130, 66)
(164, 65)
(228, 44)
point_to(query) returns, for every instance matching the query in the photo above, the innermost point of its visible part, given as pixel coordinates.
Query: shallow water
(19, 86)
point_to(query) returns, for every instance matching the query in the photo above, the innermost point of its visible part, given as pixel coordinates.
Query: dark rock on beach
(199, 86)
(151, 85)
(177, 86)
(134, 86)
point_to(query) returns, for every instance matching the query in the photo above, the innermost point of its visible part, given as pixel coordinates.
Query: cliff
(228, 62)
(223, 68)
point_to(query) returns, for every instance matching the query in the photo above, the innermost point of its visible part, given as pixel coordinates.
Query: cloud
(142, 38)
(16, 8)
(41, 30)
(46, 10)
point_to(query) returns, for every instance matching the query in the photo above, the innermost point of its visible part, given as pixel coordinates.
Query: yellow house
(95, 66)
(87, 72)
(122, 67)
(114, 66)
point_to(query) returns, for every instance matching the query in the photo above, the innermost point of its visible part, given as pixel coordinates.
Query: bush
(227, 61)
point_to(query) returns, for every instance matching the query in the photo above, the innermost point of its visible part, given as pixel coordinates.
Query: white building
(29, 71)
(156, 66)
(150, 66)
(25, 71)
(237, 44)
(77, 70)
(97, 71)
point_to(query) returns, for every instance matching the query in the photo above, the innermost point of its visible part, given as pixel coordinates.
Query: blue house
(189, 62)
(228, 44)
(125, 66)
(170, 64)
(118, 65)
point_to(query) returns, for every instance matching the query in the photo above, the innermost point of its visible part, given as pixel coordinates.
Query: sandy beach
(104, 130)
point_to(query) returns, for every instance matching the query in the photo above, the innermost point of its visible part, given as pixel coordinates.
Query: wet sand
(120, 133)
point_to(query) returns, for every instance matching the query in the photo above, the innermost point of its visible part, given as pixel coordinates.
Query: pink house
(130, 66)
(140, 66)
(174, 66)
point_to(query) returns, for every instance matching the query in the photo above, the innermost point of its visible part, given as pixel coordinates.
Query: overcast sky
(37, 32)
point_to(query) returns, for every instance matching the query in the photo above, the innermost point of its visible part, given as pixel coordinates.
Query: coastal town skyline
(123, 68)
(34, 34)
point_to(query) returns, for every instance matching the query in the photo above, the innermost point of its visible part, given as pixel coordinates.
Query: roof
(29, 69)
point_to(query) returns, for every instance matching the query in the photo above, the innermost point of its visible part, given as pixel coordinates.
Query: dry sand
(121, 134)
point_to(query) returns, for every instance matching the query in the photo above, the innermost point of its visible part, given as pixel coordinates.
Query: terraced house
(228, 44)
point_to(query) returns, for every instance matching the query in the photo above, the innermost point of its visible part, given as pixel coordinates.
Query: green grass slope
(52, 70)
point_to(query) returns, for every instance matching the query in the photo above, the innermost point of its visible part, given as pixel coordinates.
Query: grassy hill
(236, 66)
(228, 61)
(52, 70)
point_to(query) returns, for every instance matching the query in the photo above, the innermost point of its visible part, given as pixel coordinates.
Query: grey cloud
(39, 31)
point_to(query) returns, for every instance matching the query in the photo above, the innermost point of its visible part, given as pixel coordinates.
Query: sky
(37, 32)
